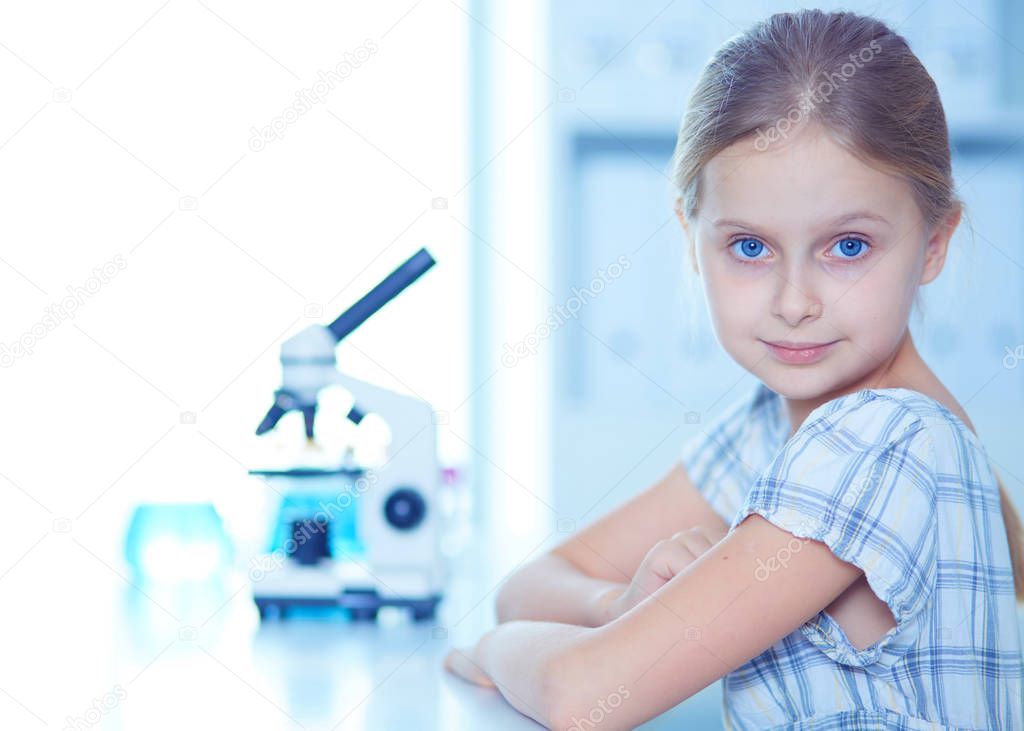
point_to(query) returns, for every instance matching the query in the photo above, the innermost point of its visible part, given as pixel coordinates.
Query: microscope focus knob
(405, 508)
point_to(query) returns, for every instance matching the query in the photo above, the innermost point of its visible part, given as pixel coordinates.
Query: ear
(689, 235)
(938, 245)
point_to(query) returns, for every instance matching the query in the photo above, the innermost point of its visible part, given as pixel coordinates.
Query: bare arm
(708, 620)
(553, 589)
(576, 581)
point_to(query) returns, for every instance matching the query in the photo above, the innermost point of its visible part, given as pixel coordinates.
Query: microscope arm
(400, 411)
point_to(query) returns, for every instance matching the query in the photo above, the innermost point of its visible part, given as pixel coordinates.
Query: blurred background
(189, 184)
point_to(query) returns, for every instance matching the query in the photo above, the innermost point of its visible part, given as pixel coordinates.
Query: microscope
(348, 536)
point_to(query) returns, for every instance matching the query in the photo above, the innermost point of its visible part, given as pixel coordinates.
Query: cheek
(873, 310)
(736, 302)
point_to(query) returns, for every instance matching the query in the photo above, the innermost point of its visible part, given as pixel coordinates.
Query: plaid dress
(896, 484)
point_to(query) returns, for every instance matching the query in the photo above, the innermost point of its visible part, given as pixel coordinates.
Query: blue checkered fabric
(896, 484)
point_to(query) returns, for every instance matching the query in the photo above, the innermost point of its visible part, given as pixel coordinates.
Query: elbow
(562, 693)
(556, 700)
(569, 715)
(573, 699)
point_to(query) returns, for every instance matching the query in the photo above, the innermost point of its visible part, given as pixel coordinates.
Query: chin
(798, 383)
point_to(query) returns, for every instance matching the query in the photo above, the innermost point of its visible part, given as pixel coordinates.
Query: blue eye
(850, 248)
(751, 247)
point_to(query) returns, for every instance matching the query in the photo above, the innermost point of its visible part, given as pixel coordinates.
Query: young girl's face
(804, 243)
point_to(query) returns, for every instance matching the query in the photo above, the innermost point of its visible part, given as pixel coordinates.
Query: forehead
(801, 180)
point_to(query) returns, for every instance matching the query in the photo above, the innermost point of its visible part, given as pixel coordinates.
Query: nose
(795, 300)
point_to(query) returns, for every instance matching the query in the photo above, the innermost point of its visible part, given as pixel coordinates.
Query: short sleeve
(859, 476)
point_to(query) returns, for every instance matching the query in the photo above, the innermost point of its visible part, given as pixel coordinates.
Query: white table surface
(76, 633)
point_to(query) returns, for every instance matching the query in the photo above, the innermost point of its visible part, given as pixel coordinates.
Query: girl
(835, 545)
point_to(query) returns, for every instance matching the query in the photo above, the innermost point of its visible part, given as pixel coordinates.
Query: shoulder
(858, 447)
(868, 419)
(884, 416)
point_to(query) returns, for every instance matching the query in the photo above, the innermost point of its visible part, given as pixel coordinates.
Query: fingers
(672, 555)
(684, 547)
(694, 540)
(459, 662)
(667, 559)
(701, 537)
(669, 556)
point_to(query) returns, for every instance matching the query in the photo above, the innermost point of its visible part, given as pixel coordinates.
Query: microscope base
(336, 585)
(361, 604)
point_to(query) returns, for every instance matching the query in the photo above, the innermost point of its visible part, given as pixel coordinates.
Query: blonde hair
(855, 77)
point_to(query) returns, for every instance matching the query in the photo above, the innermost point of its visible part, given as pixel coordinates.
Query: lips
(799, 352)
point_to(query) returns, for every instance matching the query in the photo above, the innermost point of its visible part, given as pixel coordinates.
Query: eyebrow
(845, 218)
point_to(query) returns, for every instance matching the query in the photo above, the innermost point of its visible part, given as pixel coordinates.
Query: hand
(667, 558)
(463, 663)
